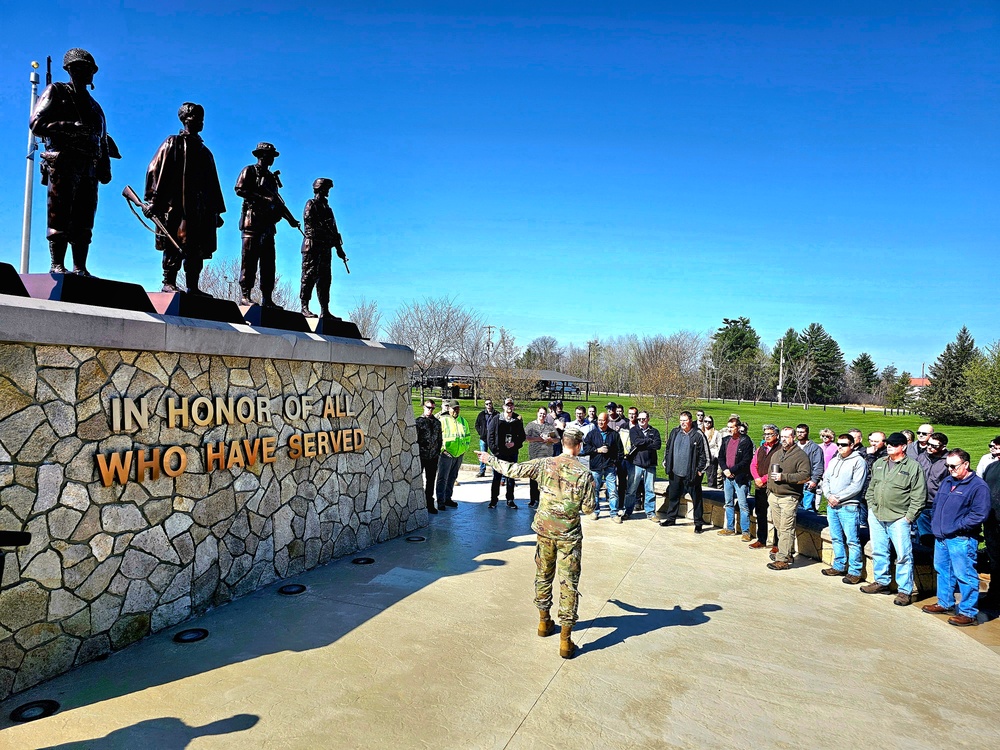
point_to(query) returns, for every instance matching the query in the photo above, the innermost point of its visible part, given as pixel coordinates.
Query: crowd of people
(901, 489)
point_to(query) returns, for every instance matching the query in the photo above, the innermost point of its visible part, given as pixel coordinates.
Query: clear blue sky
(834, 162)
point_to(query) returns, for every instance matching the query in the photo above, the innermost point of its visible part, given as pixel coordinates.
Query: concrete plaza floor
(687, 641)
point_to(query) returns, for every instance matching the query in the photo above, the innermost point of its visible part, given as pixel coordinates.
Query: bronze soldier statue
(321, 236)
(78, 155)
(263, 208)
(183, 191)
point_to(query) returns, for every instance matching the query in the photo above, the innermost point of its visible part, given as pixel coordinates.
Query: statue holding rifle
(183, 192)
(321, 236)
(263, 208)
(77, 157)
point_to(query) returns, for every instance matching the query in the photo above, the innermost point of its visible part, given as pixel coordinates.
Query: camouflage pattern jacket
(566, 490)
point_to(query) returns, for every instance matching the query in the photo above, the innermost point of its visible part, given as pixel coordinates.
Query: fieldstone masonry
(108, 565)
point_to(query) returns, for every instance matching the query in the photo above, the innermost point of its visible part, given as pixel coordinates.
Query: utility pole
(781, 369)
(29, 174)
(591, 345)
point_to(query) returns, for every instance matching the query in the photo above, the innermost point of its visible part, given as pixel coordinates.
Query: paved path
(688, 641)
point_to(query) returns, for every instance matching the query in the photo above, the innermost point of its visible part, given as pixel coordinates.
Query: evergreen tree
(948, 398)
(733, 358)
(983, 380)
(792, 351)
(863, 368)
(827, 379)
(898, 395)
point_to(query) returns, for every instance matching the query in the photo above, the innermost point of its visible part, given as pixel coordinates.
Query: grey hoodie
(845, 478)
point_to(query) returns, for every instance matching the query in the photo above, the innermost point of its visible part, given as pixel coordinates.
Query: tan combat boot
(566, 647)
(545, 624)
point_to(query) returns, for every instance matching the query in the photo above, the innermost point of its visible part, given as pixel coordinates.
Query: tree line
(663, 372)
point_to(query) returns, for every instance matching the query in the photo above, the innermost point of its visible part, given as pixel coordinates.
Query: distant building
(455, 381)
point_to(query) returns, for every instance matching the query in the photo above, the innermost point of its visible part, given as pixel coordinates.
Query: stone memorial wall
(165, 466)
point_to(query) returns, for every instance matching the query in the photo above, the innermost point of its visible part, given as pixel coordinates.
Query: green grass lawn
(973, 439)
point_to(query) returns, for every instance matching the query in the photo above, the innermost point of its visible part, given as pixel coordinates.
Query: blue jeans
(808, 498)
(737, 493)
(924, 523)
(845, 536)
(608, 477)
(955, 563)
(898, 534)
(482, 466)
(448, 467)
(644, 477)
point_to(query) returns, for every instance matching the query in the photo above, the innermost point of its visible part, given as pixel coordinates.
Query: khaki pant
(781, 509)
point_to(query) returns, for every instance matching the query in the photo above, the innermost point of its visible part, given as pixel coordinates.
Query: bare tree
(367, 317)
(668, 371)
(472, 350)
(503, 377)
(430, 328)
(221, 279)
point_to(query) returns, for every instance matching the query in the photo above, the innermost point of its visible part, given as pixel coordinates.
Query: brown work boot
(875, 588)
(567, 648)
(935, 609)
(756, 545)
(545, 625)
(851, 580)
(726, 532)
(961, 621)
(902, 599)
(833, 572)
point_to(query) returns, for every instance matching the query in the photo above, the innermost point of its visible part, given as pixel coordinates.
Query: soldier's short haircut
(189, 108)
(572, 438)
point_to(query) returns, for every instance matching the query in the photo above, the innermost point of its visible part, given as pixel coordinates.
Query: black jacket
(498, 430)
(594, 440)
(429, 438)
(481, 424)
(644, 447)
(744, 455)
(699, 451)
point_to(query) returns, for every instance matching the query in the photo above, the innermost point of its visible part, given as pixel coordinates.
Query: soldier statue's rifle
(133, 200)
(276, 196)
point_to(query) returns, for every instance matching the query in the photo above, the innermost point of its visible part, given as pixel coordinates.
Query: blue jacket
(960, 507)
(594, 440)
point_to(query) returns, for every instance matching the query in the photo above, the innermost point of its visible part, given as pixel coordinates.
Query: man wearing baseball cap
(456, 437)
(895, 495)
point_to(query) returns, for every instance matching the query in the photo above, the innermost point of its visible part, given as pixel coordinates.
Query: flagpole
(29, 176)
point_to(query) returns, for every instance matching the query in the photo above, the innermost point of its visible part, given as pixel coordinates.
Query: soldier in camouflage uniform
(321, 236)
(566, 490)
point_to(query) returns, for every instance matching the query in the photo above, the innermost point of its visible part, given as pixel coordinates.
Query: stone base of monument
(331, 325)
(185, 305)
(10, 282)
(274, 317)
(87, 290)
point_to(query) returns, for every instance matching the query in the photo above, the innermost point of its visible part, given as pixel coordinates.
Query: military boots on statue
(57, 251)
(80, 260)
(305, 308)
(170, 281)
(192, 282)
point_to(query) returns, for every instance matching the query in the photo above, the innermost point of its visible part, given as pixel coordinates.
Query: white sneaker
(596, 514)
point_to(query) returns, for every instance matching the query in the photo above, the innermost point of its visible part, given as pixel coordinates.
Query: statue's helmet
(321, 182)
(78, 55)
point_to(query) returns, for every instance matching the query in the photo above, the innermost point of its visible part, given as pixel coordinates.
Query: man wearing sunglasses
(991, 457)
(430, 443)
(842, 484)
(932, 461)
(924, 433)
(961, 506)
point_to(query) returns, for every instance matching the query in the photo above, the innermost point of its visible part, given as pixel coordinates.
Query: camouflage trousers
(552, 556)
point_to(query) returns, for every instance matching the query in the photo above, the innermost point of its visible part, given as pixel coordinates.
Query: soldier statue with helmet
(321, 236)
(77, 157)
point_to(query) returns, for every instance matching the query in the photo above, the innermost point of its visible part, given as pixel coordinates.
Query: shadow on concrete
(340, 597)
(168, 733)
(642, 620)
